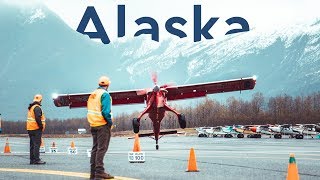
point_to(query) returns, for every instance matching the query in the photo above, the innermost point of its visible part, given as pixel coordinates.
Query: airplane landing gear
(182, 121)
(277, 136)
(135, 125)
(181, 117)
(240, 135)
(254, 136)
(157, 146)
(299, 136)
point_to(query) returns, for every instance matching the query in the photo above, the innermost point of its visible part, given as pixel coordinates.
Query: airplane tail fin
(161, 133)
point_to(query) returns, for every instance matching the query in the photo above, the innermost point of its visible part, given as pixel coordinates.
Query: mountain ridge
(44, 55)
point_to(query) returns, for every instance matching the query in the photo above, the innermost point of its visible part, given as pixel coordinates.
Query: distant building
(82, 131)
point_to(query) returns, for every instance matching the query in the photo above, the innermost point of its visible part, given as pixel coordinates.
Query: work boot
(39, 162)
(103, 176)
(31, 162)
(92, 176)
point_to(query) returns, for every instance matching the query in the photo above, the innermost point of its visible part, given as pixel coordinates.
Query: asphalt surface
(217, 158)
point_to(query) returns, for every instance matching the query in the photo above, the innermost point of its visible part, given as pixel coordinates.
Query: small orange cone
(292, 169)
(53, 144)
(192, 164)
(136, 146)
(72, 145)
(7, 148)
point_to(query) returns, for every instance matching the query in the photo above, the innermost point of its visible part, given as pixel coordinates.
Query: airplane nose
(156, 89)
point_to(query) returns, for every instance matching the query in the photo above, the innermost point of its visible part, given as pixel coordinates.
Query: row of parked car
(256, 131)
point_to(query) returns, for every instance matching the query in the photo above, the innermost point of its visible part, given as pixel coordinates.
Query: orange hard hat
(37, 98)
(104, 81)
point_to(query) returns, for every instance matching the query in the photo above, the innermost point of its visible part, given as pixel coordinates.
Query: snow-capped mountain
(41, 54)
(286, 59)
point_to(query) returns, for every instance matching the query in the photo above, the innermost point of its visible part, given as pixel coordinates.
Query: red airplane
(156, 99)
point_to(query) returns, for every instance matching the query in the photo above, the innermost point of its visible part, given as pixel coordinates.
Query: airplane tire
(157, 147)
(228, 136)
(240, 135)
(258, 135)
(277, 136)
(254, 136)
(135, 125)
(182, 121)
(202, 135)
(214, 135)
(299, 136)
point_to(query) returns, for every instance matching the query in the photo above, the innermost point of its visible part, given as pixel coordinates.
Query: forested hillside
(259, 110)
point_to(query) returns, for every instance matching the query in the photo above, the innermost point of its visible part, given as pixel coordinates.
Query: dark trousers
(35, 142)
(101, 137)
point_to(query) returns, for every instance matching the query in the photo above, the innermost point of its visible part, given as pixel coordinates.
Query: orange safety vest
(94, 114)
(31, 121)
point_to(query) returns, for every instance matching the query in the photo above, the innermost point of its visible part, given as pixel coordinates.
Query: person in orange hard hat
(100, 118)
(35, 126)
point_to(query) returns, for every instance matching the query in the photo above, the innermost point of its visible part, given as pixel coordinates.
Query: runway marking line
(60, 173)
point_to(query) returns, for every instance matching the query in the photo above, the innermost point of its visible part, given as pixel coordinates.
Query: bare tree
(280, 109)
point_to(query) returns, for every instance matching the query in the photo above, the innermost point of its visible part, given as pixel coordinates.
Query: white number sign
(136, 157)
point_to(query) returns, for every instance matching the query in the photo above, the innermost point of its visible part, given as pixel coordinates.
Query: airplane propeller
(154, 78)
(144, 91)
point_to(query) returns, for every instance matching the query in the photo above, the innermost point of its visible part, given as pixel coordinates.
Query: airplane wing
(201, 90)
(174, 93)
(80, 100)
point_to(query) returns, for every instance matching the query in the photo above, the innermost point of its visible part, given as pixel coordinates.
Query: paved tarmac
(217, 158)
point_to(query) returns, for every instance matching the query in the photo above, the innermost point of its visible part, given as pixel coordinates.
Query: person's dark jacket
(37, 113)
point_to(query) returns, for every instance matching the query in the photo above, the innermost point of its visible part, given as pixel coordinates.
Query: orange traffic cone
(136, 146)
(192, 164)
(7, 148)
(72, 145)
(53, 144)
(292, 169)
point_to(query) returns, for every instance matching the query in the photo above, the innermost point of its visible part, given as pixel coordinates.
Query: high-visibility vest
(94, 114)
(31, 120)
